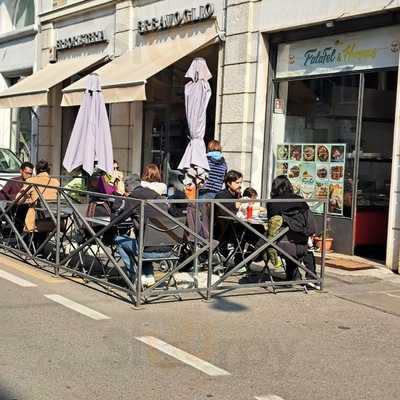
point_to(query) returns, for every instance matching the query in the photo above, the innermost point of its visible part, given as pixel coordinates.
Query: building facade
(306, 89)
(332, 115)
(18, 31)
(155, 129)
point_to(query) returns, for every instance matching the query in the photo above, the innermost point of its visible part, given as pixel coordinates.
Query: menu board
(315, 171)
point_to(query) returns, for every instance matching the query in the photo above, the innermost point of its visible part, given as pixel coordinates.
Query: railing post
(196, 229)
(140, 256)
(210, 251)
(58, 236)
(323, 250)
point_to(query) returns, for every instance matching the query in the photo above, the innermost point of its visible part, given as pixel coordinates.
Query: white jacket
(158, 187)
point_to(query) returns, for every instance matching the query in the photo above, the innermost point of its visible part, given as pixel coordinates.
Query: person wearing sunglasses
(13, 186)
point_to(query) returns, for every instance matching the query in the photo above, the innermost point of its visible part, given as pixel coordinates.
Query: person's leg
(147, 268)
(292, 271)
(274, 225)
(309, 263)
(127, 249)
(38, 239)
(20, 215)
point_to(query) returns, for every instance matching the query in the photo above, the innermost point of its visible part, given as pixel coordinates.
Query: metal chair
(163, 240)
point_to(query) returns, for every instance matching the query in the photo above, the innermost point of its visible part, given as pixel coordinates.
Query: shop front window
(24, 13)
(21, 133)
(316, 126)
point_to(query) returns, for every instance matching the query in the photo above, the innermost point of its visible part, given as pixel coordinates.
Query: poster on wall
(315, 171)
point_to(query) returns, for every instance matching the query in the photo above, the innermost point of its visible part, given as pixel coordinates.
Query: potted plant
(318, 239)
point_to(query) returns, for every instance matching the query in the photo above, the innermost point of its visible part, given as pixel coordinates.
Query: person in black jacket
(223, 228)
(294, 243)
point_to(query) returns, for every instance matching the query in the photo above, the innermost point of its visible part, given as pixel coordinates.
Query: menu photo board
(315, 171)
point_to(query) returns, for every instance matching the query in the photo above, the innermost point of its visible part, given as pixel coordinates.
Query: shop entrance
(375, 162)
(165, 130)
(338, 130)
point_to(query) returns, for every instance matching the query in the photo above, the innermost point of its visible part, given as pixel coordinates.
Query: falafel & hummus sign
(363, 50)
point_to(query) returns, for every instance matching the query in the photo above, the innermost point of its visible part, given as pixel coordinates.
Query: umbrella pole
(196, 225)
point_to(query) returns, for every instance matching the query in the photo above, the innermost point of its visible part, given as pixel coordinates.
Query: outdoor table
(103, 221)
(241, 233)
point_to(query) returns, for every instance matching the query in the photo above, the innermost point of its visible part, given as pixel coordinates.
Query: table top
(252, 221)
(99, 220)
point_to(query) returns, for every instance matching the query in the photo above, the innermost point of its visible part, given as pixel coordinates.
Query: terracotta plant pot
(328, 243)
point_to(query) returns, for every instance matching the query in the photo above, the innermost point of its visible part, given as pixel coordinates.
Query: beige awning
(34, 90)
(124, 78)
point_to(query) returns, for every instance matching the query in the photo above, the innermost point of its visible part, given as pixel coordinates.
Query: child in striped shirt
(218, 168)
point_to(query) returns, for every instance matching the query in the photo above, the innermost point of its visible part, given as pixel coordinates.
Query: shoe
(279, 265)
(145, 282)
(148, 280)
(242, 270)
(313, 285)
(151, 280)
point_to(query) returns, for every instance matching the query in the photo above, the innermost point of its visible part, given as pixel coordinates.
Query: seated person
(151, 179)
(32, 197)
(14, 185)
(248, 194)
(272, 227)
(127, 246)
(111, 183)
(294, 243)
(233, 186)
(232, 191)
(117, 179)
(10, 191)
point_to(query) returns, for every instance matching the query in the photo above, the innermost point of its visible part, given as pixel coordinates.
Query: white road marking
(269, 397)
(181, 355)
(393, 295)
(16, 279)
(76, 307)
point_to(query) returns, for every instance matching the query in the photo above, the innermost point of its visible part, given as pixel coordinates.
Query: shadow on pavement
(227, 305)
(6, 394)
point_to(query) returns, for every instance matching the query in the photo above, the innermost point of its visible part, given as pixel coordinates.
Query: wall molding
(16, 34)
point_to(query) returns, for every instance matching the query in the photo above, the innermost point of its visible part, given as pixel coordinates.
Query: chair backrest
(82, 208)
(162, 232)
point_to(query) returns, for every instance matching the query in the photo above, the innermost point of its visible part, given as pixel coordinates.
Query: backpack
(300, 221)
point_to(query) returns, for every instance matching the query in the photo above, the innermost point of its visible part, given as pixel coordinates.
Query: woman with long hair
(151, 179)
(294, 243)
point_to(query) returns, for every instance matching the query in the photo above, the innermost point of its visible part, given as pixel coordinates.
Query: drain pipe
(223, 38)
(34, 135)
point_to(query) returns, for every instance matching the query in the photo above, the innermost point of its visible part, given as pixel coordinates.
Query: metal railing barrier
(141, 251)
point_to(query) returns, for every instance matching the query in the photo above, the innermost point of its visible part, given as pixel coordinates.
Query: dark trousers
(309, 263)
(19, 217)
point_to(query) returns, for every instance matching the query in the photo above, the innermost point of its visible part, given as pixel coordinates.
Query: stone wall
(238, 85)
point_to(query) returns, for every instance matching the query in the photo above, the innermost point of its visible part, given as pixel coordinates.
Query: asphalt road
(339, 344)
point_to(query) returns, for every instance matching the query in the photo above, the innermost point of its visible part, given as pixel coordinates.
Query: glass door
(317, 121)
(375, 163)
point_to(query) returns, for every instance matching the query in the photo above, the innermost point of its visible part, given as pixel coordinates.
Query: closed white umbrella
(91, 136)
(197, 97)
